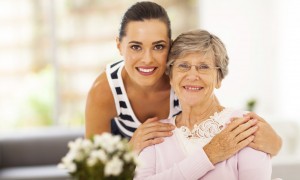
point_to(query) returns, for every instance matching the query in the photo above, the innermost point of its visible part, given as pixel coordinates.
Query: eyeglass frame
(198, 69)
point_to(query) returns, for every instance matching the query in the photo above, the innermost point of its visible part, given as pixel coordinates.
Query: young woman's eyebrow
(135, 42)
(159, 42)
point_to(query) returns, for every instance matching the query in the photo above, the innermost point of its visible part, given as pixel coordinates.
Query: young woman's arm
(100, 107)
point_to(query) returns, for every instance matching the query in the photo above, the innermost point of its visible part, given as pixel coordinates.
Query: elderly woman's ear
(219, 81)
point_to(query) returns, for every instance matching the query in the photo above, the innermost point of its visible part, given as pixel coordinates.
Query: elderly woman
(198, 63)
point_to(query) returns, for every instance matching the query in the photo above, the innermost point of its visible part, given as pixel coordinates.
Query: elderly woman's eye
(203, 67)
(183, 66)
(136, 47)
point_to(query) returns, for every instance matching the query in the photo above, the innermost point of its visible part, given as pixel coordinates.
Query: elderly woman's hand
(265, 138)
(149, 133)
(233, 138)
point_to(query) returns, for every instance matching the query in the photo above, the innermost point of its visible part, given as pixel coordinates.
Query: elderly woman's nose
(193, 70)
(193, 74)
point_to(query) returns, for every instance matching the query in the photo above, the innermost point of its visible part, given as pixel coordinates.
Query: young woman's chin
(145, 79)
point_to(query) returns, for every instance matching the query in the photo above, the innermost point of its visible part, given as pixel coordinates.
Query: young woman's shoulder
(100, 107)
(100, 90)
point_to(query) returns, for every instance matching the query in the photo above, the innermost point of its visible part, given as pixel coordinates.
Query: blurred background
(52, 50)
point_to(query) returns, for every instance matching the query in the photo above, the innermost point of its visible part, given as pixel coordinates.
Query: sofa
(34, 155)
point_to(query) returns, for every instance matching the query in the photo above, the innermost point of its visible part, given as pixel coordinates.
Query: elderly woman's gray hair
(199, 41)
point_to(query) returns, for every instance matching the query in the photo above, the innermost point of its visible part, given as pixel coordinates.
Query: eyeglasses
(201, 68)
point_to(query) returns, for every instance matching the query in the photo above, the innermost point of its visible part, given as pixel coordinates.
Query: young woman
(133, 94)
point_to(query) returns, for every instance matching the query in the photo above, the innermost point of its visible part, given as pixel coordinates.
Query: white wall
(262, 38)
(263, 43)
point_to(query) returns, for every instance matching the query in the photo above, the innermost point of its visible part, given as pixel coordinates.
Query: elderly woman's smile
(192, 88)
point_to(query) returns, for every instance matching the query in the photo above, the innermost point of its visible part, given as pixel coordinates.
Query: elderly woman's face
(195, 84)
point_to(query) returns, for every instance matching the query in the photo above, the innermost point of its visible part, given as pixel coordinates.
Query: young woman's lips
(146, 71)
(192, 88)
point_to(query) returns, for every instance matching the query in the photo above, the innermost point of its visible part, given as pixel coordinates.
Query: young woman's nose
(148, 57)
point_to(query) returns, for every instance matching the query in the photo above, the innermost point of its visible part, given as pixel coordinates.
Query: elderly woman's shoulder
(234, 112)
(168, 120)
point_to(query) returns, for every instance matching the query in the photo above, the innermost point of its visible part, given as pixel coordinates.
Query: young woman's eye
(136, 47)
(159, 47)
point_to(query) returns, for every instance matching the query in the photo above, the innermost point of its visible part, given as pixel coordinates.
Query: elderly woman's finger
(245, 134)
(244, 143)
(243, 127)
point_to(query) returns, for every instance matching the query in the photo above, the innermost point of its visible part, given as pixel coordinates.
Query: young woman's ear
(119, 45)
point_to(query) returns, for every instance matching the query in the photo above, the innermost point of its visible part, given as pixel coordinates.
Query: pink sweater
(168, 161)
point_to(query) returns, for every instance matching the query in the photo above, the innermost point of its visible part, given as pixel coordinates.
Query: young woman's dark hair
(141, 11)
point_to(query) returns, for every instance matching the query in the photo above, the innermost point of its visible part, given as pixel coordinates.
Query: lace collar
(207, 128)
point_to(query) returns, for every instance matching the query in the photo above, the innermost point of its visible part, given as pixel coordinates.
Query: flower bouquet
(104, 156)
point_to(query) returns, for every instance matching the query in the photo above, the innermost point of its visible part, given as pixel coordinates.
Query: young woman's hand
(237, 135)
(265, 138)
(149, 133)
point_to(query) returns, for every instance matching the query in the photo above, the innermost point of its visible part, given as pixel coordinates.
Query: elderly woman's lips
(193, 88)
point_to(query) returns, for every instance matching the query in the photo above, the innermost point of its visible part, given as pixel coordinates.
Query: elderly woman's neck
(192, 115)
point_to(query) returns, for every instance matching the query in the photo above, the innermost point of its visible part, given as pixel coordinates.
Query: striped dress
(125, 123)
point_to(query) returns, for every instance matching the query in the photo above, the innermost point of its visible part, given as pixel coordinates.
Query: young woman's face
(145, 49)
(194, 87)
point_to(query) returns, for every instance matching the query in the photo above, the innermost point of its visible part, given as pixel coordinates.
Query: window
(52, 51)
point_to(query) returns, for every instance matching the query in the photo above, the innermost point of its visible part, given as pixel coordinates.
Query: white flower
(102, 140)
(120, 145)
(106, 150)
(71, 167)
(91, 161)
(129, 156)
(75, 145)
(113, 167)
(68, 163)
(99, 154)
(87, 146)
(79, 156)
(108, 142)
(70, 157)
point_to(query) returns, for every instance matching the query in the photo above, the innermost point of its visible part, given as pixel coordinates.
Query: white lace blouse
(202, 133)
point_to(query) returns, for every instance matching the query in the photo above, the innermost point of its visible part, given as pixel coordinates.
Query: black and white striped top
(126, 122)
